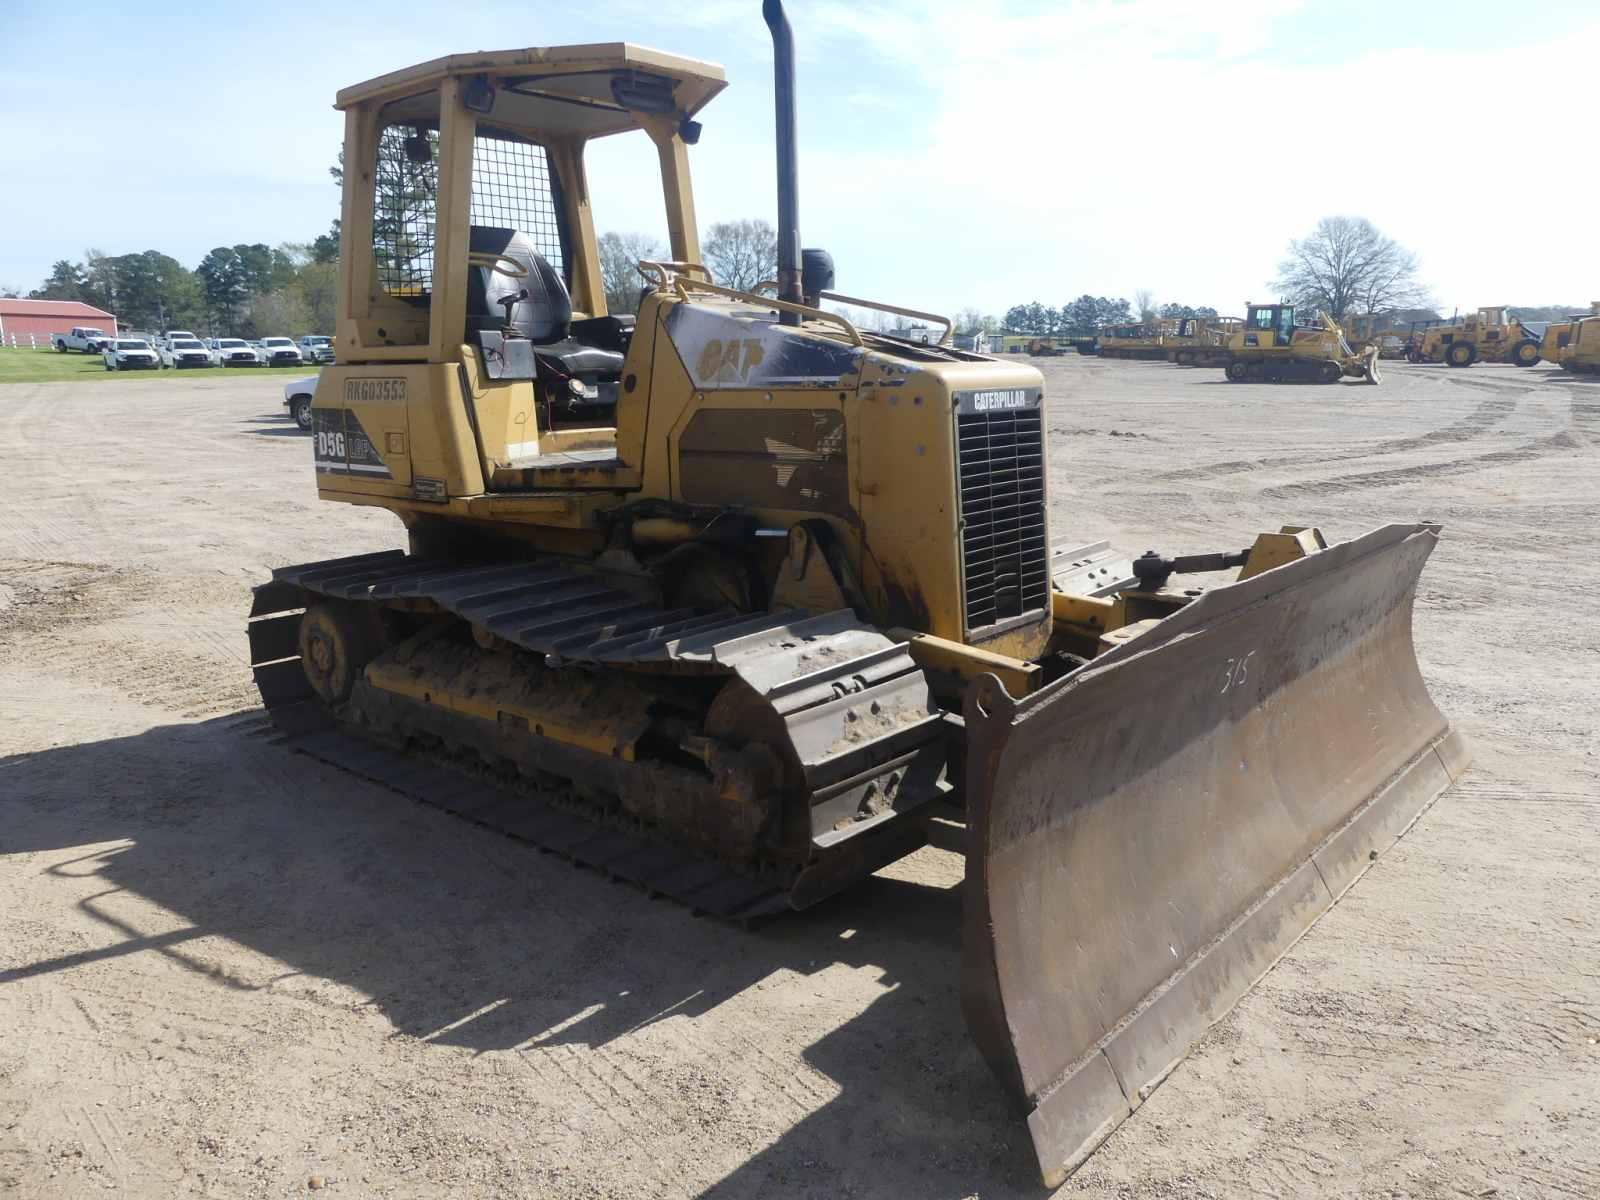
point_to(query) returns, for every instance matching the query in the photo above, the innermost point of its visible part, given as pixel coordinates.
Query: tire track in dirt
(1578, 432)
(1586, 418)
(1399, 476)
(1484, 417)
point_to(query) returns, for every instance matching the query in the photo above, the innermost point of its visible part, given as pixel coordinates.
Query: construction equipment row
(1320, 350)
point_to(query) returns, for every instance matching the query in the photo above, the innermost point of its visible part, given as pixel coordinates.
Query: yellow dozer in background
(1272, 347)
(1199, 341)
(1558, 335)
(730, 598)
(1581, 355)
(1373, 329)
(1486, 336)
(1131, 341)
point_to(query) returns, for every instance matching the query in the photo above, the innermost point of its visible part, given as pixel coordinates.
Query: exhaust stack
(789, 287)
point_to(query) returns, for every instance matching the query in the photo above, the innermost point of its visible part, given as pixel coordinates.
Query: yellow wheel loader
(1271, 347)
(1489, 335)
(729, 598)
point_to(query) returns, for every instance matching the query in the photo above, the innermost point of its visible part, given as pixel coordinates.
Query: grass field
(44, 366)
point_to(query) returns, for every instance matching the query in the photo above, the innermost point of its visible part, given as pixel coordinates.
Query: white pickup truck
(180, 352)
(84, 338)
(280, 352)
(297, 398)
(131, 354)
(315, 347)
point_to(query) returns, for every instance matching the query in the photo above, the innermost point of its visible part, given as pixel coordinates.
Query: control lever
(511, 301)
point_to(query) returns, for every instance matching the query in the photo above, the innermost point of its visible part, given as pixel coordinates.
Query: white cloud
(1108, 146)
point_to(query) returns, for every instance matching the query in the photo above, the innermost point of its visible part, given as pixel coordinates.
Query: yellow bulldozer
(1272, 347)
(1488, 335)
(1558, 335)
(1199, 341)
(729, 598)
(1131, 341)
(1581, 355)
(1373, 329)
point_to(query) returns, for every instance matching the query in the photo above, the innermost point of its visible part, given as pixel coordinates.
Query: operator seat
(588, 349)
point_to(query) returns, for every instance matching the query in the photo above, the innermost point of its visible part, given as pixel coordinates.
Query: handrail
(666, 269)
(949, 325)
(804, 310)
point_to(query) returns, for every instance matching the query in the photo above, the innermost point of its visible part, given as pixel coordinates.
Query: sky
(954, 153)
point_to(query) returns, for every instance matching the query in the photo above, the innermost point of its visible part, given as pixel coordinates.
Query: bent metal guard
(1149, 834)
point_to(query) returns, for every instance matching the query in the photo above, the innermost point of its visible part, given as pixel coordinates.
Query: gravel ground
(227, 970)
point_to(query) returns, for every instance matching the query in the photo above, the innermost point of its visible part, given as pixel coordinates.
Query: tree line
(1345, 266)
(248, 290)
(1087, 314)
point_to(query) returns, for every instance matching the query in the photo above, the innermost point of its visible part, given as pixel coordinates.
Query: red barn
(40, 318)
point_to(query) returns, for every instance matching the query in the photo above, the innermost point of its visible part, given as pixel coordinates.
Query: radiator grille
(1004, 559)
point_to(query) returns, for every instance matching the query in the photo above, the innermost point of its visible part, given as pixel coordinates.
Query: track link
(658, 868)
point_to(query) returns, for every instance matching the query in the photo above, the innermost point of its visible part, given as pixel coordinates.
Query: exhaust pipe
(789, 286)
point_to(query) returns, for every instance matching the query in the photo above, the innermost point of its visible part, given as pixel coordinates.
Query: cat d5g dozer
(726, 596)
(1271, 347)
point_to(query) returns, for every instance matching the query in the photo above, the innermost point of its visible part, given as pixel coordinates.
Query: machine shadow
(278, 424)
(464, 938)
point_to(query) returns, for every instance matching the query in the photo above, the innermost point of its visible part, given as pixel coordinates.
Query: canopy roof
(564, 91)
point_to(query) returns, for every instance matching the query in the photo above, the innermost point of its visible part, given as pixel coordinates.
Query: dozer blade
(1150, 833)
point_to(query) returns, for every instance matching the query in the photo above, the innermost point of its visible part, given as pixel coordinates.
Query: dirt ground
(226, 969)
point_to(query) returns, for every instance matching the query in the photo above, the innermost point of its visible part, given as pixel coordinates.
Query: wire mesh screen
(512, 189)
(405, 199)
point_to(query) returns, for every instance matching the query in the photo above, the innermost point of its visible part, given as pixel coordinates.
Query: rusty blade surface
(1149, 834)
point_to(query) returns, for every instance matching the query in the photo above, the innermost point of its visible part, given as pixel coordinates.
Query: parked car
(168, 336)
(297, 397)
(181, 352)
(280, 352)
(315, 348)
(84, 338)
(131, 354)
(236, 352)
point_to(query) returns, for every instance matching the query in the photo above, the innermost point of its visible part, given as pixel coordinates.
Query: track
(856, 709)
(537, 820)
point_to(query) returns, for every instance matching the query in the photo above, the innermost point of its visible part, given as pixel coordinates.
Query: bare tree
(619, 257)
(869, 319)
(318, 285)
(1145, 301)
(1345, 265)
(283, 312)
(741, 254)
